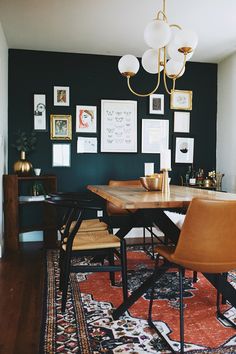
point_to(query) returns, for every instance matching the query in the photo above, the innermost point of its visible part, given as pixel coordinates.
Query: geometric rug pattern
(87, 325)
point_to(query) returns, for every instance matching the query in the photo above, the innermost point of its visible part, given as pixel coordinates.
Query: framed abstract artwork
(155, 135)
(184, 149)
(180, 99)
(60, 127)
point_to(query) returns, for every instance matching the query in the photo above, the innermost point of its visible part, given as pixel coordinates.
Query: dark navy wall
(92, 78)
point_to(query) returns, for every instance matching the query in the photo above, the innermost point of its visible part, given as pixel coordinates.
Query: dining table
(148, 207)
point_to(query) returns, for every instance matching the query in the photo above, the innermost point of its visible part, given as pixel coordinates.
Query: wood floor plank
(21, 295)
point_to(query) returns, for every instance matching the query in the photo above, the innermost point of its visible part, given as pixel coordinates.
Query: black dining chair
(79, 241)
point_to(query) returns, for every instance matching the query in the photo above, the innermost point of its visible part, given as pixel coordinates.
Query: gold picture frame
(181, 99)
(60, 127)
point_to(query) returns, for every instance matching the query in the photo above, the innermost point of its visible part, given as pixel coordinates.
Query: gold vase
(22, 167)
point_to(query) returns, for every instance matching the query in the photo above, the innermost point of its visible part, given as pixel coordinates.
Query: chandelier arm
(165, 83)
(163, 14)
(177, 26)
(143, 94)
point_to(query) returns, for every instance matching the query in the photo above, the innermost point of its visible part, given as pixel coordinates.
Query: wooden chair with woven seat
(79, 242)
(206, 244)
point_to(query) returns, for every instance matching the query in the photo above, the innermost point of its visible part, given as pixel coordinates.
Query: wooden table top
(132, 197)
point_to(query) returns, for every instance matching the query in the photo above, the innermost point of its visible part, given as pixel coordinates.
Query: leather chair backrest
(207, 240)
(112, 209)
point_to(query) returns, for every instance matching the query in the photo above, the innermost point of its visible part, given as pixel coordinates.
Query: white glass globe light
(157, 34)
(150, 61)
(173, 68)
(173, 52)
(186, 39)
(128, 65)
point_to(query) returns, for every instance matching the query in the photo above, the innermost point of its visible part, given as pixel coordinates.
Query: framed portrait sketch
(60, 127)
(180, 99)
(118, 126)
(155, 135)
(40, 112)
(156, 104)
(184, 149)
(61, 155)
(182, 122)
(61, 96)
(86, 119)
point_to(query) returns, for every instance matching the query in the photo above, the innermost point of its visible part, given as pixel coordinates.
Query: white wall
(3, 121)
(226, 123)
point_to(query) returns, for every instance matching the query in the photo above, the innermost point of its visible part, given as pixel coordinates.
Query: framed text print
(155, 135)
(118, 126)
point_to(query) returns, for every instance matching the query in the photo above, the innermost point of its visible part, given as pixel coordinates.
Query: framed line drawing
(155, 135)
(182, 122)
(87, 145)
(40, 112)
(86, 119)
(184, 149)
(118, 126)
(61, 96)
(156, 104)
(61, 155)
(60, 127)
(180, 99)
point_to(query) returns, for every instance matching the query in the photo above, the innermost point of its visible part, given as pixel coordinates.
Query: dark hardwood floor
(21, 298)
(21, 295)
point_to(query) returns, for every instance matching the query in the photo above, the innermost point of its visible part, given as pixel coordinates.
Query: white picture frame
(86, 119)
(61, 95)
(156, 104)
(184, 149)
(181, 122)
(155, 135)
(181, 99)
(61, 155)
(118, 126)
(87, 145)
(40, 112)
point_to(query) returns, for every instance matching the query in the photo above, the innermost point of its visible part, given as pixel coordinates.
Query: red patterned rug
(87, 325)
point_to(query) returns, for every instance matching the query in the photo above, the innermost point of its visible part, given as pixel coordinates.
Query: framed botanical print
(60, 127)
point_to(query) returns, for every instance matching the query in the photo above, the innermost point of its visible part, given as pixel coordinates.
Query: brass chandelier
(170, 48)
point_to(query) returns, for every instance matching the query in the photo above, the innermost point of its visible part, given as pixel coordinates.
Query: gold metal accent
(188, 97)
(185, 50)
(161, 15)
(22, 167)
(128, 74)
(152, 183)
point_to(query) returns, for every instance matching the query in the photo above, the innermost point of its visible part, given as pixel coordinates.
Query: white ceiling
(115, 27)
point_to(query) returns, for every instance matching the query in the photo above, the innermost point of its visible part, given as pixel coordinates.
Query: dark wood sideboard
(15, 187)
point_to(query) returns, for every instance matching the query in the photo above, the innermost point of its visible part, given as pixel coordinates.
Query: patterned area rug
(87, 325)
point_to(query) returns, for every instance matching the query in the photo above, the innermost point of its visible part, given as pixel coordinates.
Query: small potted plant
(24, 143)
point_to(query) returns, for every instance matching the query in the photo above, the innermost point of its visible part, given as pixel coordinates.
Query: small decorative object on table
(152, 182)
(24, 143)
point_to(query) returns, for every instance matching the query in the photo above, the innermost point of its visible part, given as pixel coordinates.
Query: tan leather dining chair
(207, 244)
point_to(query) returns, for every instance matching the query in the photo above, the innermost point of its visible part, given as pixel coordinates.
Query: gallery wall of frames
(90, 128)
